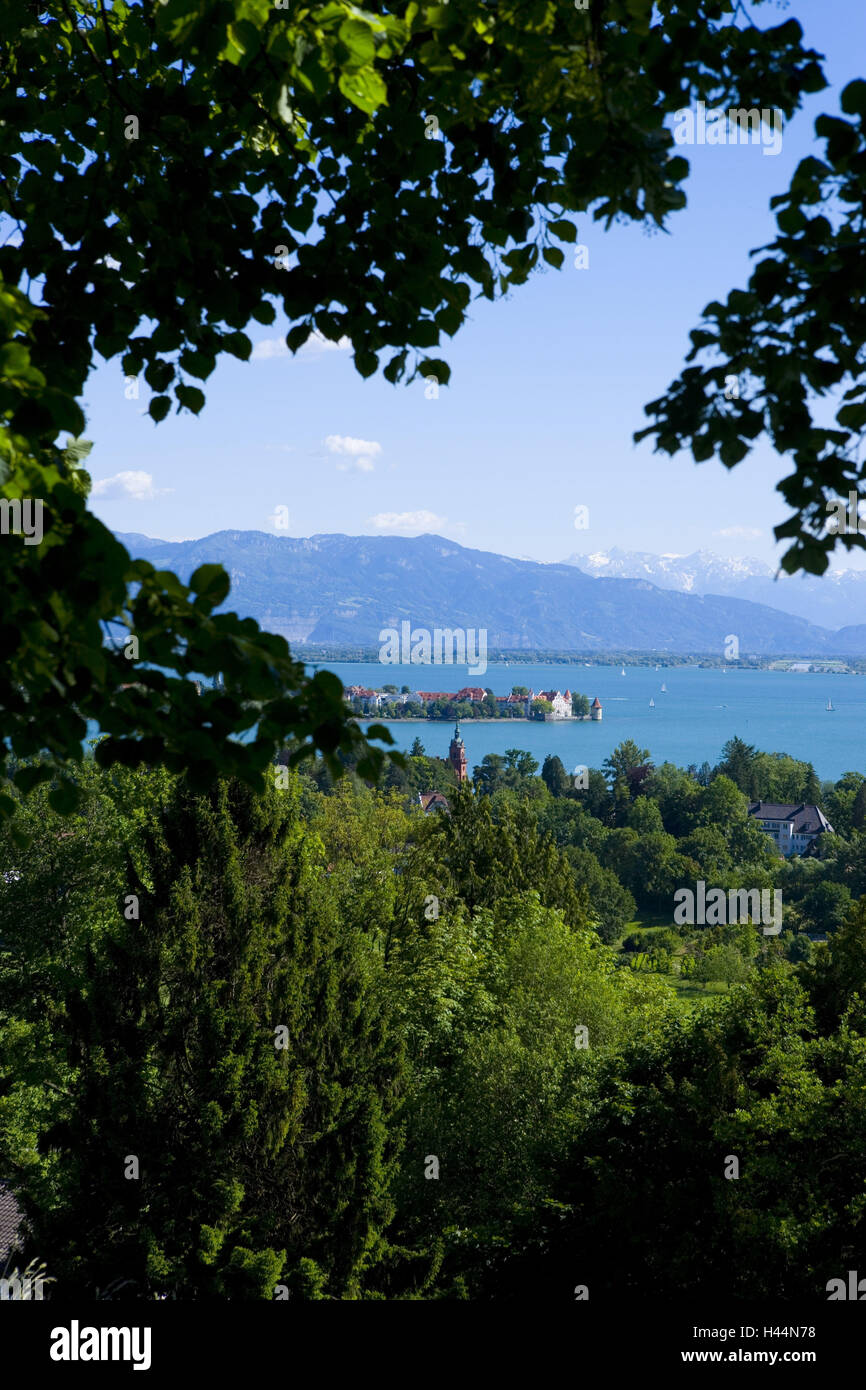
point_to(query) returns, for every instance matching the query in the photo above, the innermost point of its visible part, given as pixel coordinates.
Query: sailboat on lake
(831, 708)
(652, 704)
(664, 688)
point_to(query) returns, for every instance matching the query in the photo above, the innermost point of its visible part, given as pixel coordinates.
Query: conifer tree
(489, 859)
(222, 1069)
(858, 812)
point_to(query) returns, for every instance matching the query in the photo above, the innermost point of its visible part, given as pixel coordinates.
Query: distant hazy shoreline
(355, 656)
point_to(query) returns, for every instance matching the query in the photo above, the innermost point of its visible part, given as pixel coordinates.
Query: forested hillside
(318, 1044)
(346, 589)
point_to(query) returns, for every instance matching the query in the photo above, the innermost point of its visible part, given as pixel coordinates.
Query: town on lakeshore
(472, 702)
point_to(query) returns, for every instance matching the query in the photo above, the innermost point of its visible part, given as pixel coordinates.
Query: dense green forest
(315, 1043)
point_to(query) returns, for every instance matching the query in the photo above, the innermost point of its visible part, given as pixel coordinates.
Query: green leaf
(852, 417)
(297, 336)
(159, 407)
(190, 397)
(380, 732)
(75, 450)
(197, 363)
(366, 361)
(30, 776)
(210, 582)
(238, 344)
(64, 798)
(564, 231)
(395, 368)
(553, 256)
(364, 89)
(853, 98)
(358, 39)
(790, 220)
(434, 366)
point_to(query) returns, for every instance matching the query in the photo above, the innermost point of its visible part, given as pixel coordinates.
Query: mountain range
(830, 600)
(337, 589)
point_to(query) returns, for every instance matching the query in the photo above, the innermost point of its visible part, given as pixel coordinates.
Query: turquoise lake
(777, 711)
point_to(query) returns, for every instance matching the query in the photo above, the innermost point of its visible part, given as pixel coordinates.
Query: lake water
(777, 711)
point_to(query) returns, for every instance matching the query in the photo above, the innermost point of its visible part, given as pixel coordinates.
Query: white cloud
(407, 521)
(749, 533)
(345, 444)
(135, 484)
(360, 452)
(315, 346)
(270, 347)
(317, 343)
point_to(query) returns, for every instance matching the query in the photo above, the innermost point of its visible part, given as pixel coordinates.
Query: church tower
(457, 754)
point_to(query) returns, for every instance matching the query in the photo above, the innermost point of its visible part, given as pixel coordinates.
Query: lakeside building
(521, 702)
(561, 703)
(595, 709)
(368, 699)
(429, 697)
(792, 826)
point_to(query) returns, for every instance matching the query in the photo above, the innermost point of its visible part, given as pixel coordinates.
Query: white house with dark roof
(793, 826)
(561, 703)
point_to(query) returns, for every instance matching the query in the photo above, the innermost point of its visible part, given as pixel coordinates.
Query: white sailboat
(652, 704)
(664, 688)
(622, 672)
(831, 708)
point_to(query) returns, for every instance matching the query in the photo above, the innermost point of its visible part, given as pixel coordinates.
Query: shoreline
(518, 719)
(851, 666)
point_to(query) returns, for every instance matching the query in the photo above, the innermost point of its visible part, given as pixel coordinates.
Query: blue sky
(547, 388)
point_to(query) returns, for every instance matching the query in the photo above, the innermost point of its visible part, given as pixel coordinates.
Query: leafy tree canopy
(171, 172)
(792, 337)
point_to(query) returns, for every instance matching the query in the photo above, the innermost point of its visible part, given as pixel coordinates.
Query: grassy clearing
(650, 921)
(694, 992)
(689, 991)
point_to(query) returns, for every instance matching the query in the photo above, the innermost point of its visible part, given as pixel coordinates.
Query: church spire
(457, 754)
